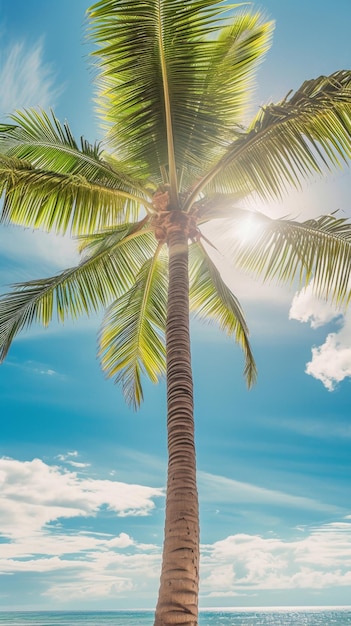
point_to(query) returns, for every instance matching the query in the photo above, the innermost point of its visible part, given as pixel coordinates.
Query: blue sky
(82, 477)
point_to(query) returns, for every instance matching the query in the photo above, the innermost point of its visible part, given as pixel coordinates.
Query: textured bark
(178, 594)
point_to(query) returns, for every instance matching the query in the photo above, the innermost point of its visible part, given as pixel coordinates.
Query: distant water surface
(225, 617)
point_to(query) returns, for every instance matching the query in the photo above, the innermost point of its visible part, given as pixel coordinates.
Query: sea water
(219, 617)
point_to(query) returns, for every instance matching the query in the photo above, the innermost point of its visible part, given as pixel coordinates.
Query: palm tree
(174, 84)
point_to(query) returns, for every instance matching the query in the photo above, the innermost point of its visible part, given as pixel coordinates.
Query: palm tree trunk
(178, 594)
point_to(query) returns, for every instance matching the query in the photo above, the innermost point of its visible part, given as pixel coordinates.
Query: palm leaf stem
(168, 113)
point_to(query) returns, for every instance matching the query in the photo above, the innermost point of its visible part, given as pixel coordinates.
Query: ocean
(220, 617)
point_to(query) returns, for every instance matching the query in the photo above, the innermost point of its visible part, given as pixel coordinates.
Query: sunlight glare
(247, 229)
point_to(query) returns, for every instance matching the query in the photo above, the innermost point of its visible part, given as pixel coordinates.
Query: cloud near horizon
(37, 511)
(38, 535)
(242, 563)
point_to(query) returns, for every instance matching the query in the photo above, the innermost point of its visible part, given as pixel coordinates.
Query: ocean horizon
(219, 616)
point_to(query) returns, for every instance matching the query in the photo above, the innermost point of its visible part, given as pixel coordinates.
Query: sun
(248, 228)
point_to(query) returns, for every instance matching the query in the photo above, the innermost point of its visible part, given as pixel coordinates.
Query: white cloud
(26, 80)
(247, 563)
(76, 565)
(36, 504)
(34, 494)
(78, 464)
(69, 453)
(305, 307)
(90, 586)
(331, 362)
(108, 575)
(84, 566)
(67, 459)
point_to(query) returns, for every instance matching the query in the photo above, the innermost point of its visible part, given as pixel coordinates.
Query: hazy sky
(82, 477)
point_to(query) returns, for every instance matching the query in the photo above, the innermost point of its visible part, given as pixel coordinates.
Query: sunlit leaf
(211, 299)
(49, 181)
(285, 250)
(132, 339)
(286, 142)
(106, 273)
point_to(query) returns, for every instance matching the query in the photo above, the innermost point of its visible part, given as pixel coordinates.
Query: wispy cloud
(33, 367)
(219, 489)
(26, 80)
(67, 459)
(40, 253)
(312, 427)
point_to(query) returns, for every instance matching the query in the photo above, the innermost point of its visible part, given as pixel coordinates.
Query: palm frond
(285, 250)
(154, 58)
(225, 92)
(303, 134)
(132, 339)
(211, 298)
(60, 202)
(106, 273)
(47, 179)
(43, 140)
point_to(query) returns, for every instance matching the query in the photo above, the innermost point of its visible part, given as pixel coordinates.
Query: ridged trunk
(178, 594)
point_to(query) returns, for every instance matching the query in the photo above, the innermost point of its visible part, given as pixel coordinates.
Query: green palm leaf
(285, 250)
(211, 299)
(225, 92)
(132, 338)
(106, 273)
(162, 98)
(49, 181)
(286, 142)
(42, 139)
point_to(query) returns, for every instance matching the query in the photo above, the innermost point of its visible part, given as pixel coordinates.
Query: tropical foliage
(174, 82)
